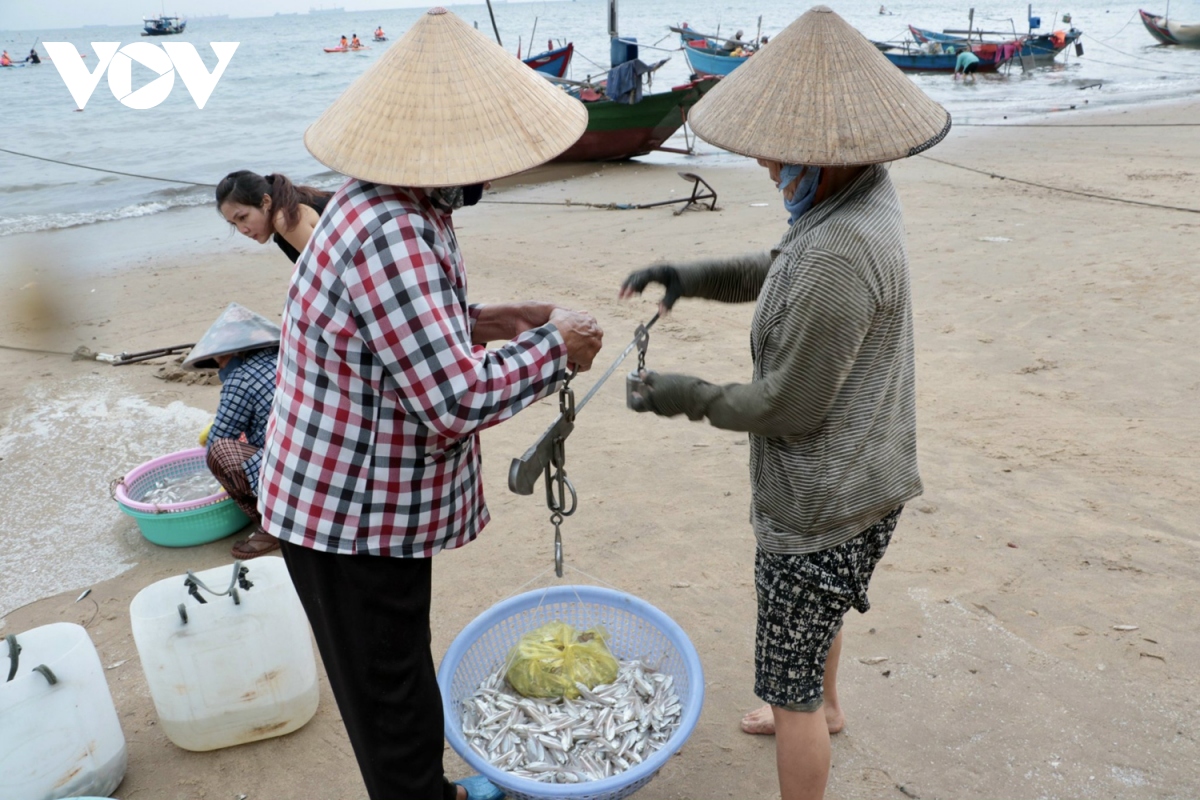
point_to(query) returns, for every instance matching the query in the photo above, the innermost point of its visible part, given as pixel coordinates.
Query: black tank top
(317, 205)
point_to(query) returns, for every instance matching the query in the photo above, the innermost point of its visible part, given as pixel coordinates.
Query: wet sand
(1057, 379)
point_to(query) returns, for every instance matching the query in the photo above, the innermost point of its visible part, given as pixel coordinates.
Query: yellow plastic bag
(548, 661)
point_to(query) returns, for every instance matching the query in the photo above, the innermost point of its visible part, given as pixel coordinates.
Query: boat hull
(552, 62)
(925, 62)
(1041, 48)
(1166, 32)
(705, 62)
(617, 131)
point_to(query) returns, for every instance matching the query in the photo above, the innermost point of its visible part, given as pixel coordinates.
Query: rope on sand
(1076, 192)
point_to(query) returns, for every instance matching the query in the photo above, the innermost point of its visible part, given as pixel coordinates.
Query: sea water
(280, 80)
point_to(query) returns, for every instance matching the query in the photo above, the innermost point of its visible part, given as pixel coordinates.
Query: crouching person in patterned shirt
(244, 348)
(372, 461)
(831, 408)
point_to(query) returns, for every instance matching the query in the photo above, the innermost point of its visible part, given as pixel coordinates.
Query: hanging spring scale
(548, 455)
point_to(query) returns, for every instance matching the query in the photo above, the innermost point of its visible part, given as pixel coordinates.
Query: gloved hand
(666, 274)
(668, 395)
(204, 434)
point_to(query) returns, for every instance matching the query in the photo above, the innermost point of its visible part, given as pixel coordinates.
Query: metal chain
(558, 485)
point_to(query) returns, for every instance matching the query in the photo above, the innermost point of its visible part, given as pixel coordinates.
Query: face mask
(472, 194)
(224, 372)
(806, 190)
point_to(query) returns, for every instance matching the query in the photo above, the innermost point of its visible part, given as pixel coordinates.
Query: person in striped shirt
(830, 410)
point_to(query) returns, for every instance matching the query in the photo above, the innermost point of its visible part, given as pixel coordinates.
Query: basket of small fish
(177, 502)
(597, 742)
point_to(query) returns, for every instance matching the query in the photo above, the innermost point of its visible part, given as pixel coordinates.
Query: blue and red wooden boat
(553, 62)
(1042, 47)
(913, 57)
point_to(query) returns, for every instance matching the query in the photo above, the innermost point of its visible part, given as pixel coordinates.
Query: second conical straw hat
(819, 93)
(445, 106)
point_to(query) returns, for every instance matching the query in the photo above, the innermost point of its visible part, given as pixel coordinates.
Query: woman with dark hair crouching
(271, 207)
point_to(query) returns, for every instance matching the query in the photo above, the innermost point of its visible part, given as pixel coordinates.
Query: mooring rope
(1092, 195)
(102, 169)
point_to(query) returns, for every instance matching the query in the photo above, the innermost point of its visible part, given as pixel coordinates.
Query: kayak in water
(346, 49)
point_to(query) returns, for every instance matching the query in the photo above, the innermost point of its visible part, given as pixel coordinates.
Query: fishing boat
(912, 56)
(1166, 31)
(554, 61)
(705, 61)
(620, 131)
(164, 25)
(706, 55)
(1042, 47)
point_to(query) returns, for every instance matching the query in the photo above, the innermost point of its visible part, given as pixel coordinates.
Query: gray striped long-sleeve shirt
(831, 411)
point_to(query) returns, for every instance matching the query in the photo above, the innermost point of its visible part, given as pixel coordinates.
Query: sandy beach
(1031, 634)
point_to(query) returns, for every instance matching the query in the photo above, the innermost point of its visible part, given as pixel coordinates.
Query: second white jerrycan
(226, 667)
(59, 733)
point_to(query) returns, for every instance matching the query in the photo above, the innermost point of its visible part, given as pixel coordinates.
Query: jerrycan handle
(194, 585)
(14, 658)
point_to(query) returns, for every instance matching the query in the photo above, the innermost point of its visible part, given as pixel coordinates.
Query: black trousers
(370, 617)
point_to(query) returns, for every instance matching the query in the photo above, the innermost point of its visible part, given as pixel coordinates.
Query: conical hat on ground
(237, 330)
(819, 93)
(445, 106)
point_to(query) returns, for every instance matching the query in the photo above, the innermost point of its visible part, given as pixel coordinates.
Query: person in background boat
(33, 57)
(966, 64)
(5, 59)
(345, 43)
(372, 463)
(831, 411)
(354, 42)
(735, 43)
(271, 207)
(244, 349)
(379, 34)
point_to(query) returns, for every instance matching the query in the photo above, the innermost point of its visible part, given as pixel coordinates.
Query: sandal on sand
(260, 542)
(480, 788)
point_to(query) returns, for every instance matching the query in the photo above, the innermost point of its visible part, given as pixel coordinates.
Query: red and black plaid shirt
(373, 441)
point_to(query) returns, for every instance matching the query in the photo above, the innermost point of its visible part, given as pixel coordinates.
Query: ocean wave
(32, 223)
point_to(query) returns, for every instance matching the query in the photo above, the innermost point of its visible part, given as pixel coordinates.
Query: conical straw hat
(444, 106)
(237, 330)
(819, 93)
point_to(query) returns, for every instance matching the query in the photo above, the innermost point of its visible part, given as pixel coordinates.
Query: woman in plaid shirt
(372, 463)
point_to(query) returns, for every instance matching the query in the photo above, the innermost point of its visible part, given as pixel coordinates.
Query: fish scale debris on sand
(604, 732)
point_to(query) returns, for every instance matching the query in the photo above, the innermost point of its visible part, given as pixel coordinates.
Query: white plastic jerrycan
(59, 733)
(226, 667)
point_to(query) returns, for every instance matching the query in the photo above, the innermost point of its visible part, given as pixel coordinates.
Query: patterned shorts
(801, 602)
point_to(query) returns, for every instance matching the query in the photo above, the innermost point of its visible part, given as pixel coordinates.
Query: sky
(30, 14)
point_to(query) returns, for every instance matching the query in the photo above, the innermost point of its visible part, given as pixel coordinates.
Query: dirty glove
(665, 274)
(669, 395)
(204, 433)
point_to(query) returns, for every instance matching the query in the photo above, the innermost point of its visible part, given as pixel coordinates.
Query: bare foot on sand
(762, 721)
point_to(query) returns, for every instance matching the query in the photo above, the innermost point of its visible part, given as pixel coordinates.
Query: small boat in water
(347, 49)
(554, 61)
(1166, 31)
(164, 25)
(912, 56)
(707, 55)
(1042, 47)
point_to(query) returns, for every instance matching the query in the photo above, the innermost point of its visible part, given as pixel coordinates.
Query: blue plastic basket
(636, 629)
